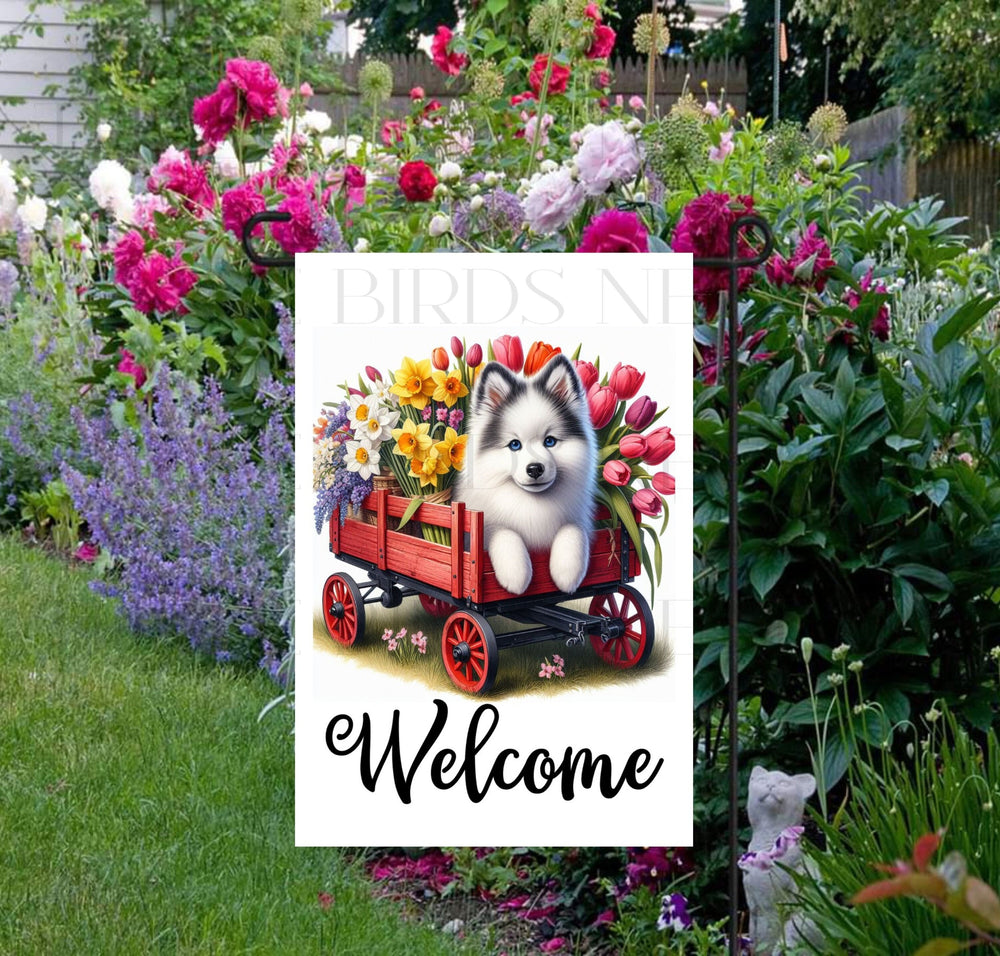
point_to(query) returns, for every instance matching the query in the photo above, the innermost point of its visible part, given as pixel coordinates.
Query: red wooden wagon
(459, 580)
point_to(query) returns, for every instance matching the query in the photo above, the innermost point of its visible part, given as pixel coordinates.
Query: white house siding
(35, 64)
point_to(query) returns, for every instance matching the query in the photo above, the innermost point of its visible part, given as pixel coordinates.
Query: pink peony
(450, 63)
(299, 234)
(552, 201)
(648, 502)
(129, 366)
(603, 42)
(129, 252)
(555, 945)
(216, 113)
(617, 472)
(159, 284)
(636, 102)
(880, 324)
(608, 155)
(144, 208)
(416, 93)
(238, 205)
(393, 132)
(703, 230)
(614, 231)
(260, 91)
(174, 172)
(809, 263)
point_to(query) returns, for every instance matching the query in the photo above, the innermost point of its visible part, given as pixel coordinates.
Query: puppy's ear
(558, 378)
(496, 387)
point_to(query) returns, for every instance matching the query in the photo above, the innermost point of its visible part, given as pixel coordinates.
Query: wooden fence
(964, 174)
(629, 78)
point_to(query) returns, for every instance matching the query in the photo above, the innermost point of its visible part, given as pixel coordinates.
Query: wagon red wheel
(635, 645)
(469, 651)
(435, 606)
(343, 609)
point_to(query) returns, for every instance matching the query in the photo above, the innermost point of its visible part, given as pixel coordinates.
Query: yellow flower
(414, 384)
(412, 440)
(448, 387)
(452, 449)
(429, 468)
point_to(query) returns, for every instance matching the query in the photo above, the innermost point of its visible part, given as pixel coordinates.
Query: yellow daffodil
(452, 449)
(429, 469)
(448, 387)
(413, 440)
(414, 384)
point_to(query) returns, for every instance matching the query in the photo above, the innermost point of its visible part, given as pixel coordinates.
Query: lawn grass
(142, 808)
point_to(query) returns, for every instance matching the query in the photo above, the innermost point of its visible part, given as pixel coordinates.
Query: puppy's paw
(510, 561)
(569, 558)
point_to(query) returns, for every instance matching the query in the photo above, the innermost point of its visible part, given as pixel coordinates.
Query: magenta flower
(555, 945)
(174, 172)
(215, 114)
(238, 205)
(474, 357)
(614, 231)
(158, 284)
(710, 367)
(640, 413)
(617, 472)
(299, 234)
(129, 366)
(809, 263)
(87, 552)
(374, 375)
(129, 252)
(445, 61)
(260, 91)
(880, 324)
(457, 349)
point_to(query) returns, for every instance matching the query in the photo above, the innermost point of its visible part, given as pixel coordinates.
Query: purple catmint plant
(8, 287)
(194, 516)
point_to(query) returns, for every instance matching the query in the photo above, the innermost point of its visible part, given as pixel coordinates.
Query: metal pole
(734, 263)
(777, 62)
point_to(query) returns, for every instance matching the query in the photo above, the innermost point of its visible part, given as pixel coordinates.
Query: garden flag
(493, 550)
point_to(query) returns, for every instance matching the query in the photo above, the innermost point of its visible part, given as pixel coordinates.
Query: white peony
(33, 212)
(226, 163)
(349, 146)
(8, 195)
(103, 132)
(552, 201)
(362, 245)
(315, 121)
(450, 172)
(440, 225)
(111, 187)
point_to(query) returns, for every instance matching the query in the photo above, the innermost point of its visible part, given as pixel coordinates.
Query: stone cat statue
(776, 803)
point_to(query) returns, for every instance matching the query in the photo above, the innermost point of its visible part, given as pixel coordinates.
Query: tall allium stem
(654, 51)
(544, 94)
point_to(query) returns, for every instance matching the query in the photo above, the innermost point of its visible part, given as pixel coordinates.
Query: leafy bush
(195, 517)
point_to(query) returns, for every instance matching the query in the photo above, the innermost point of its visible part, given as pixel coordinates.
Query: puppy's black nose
(535, 469)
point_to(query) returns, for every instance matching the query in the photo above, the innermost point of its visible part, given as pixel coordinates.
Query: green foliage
(949, 785)
(147, 65)
(396, 26)
(52, 515)
(935, 57)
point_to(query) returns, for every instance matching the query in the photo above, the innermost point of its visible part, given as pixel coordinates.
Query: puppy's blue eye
(550, 440)
(514, 444)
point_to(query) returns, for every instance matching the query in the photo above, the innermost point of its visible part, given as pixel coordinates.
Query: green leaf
(844, 383)
(902, 596)
(899, 443)
(415, 502)
(961, 319)
(775, 633)
(941, 946)
(836, 759)
(766, 570)
(931, 576)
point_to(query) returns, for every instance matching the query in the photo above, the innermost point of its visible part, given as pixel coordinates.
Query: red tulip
(659, 446)
(632, 446)
(587, 372)
(474, 356)
(663, 482)
(456, 346)
(440, 359)
(508, 351)
(626, 380)
(603, 402)
(374, 375)
(640, 413)
(617, 472)
(648, 502)
(538, 355)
